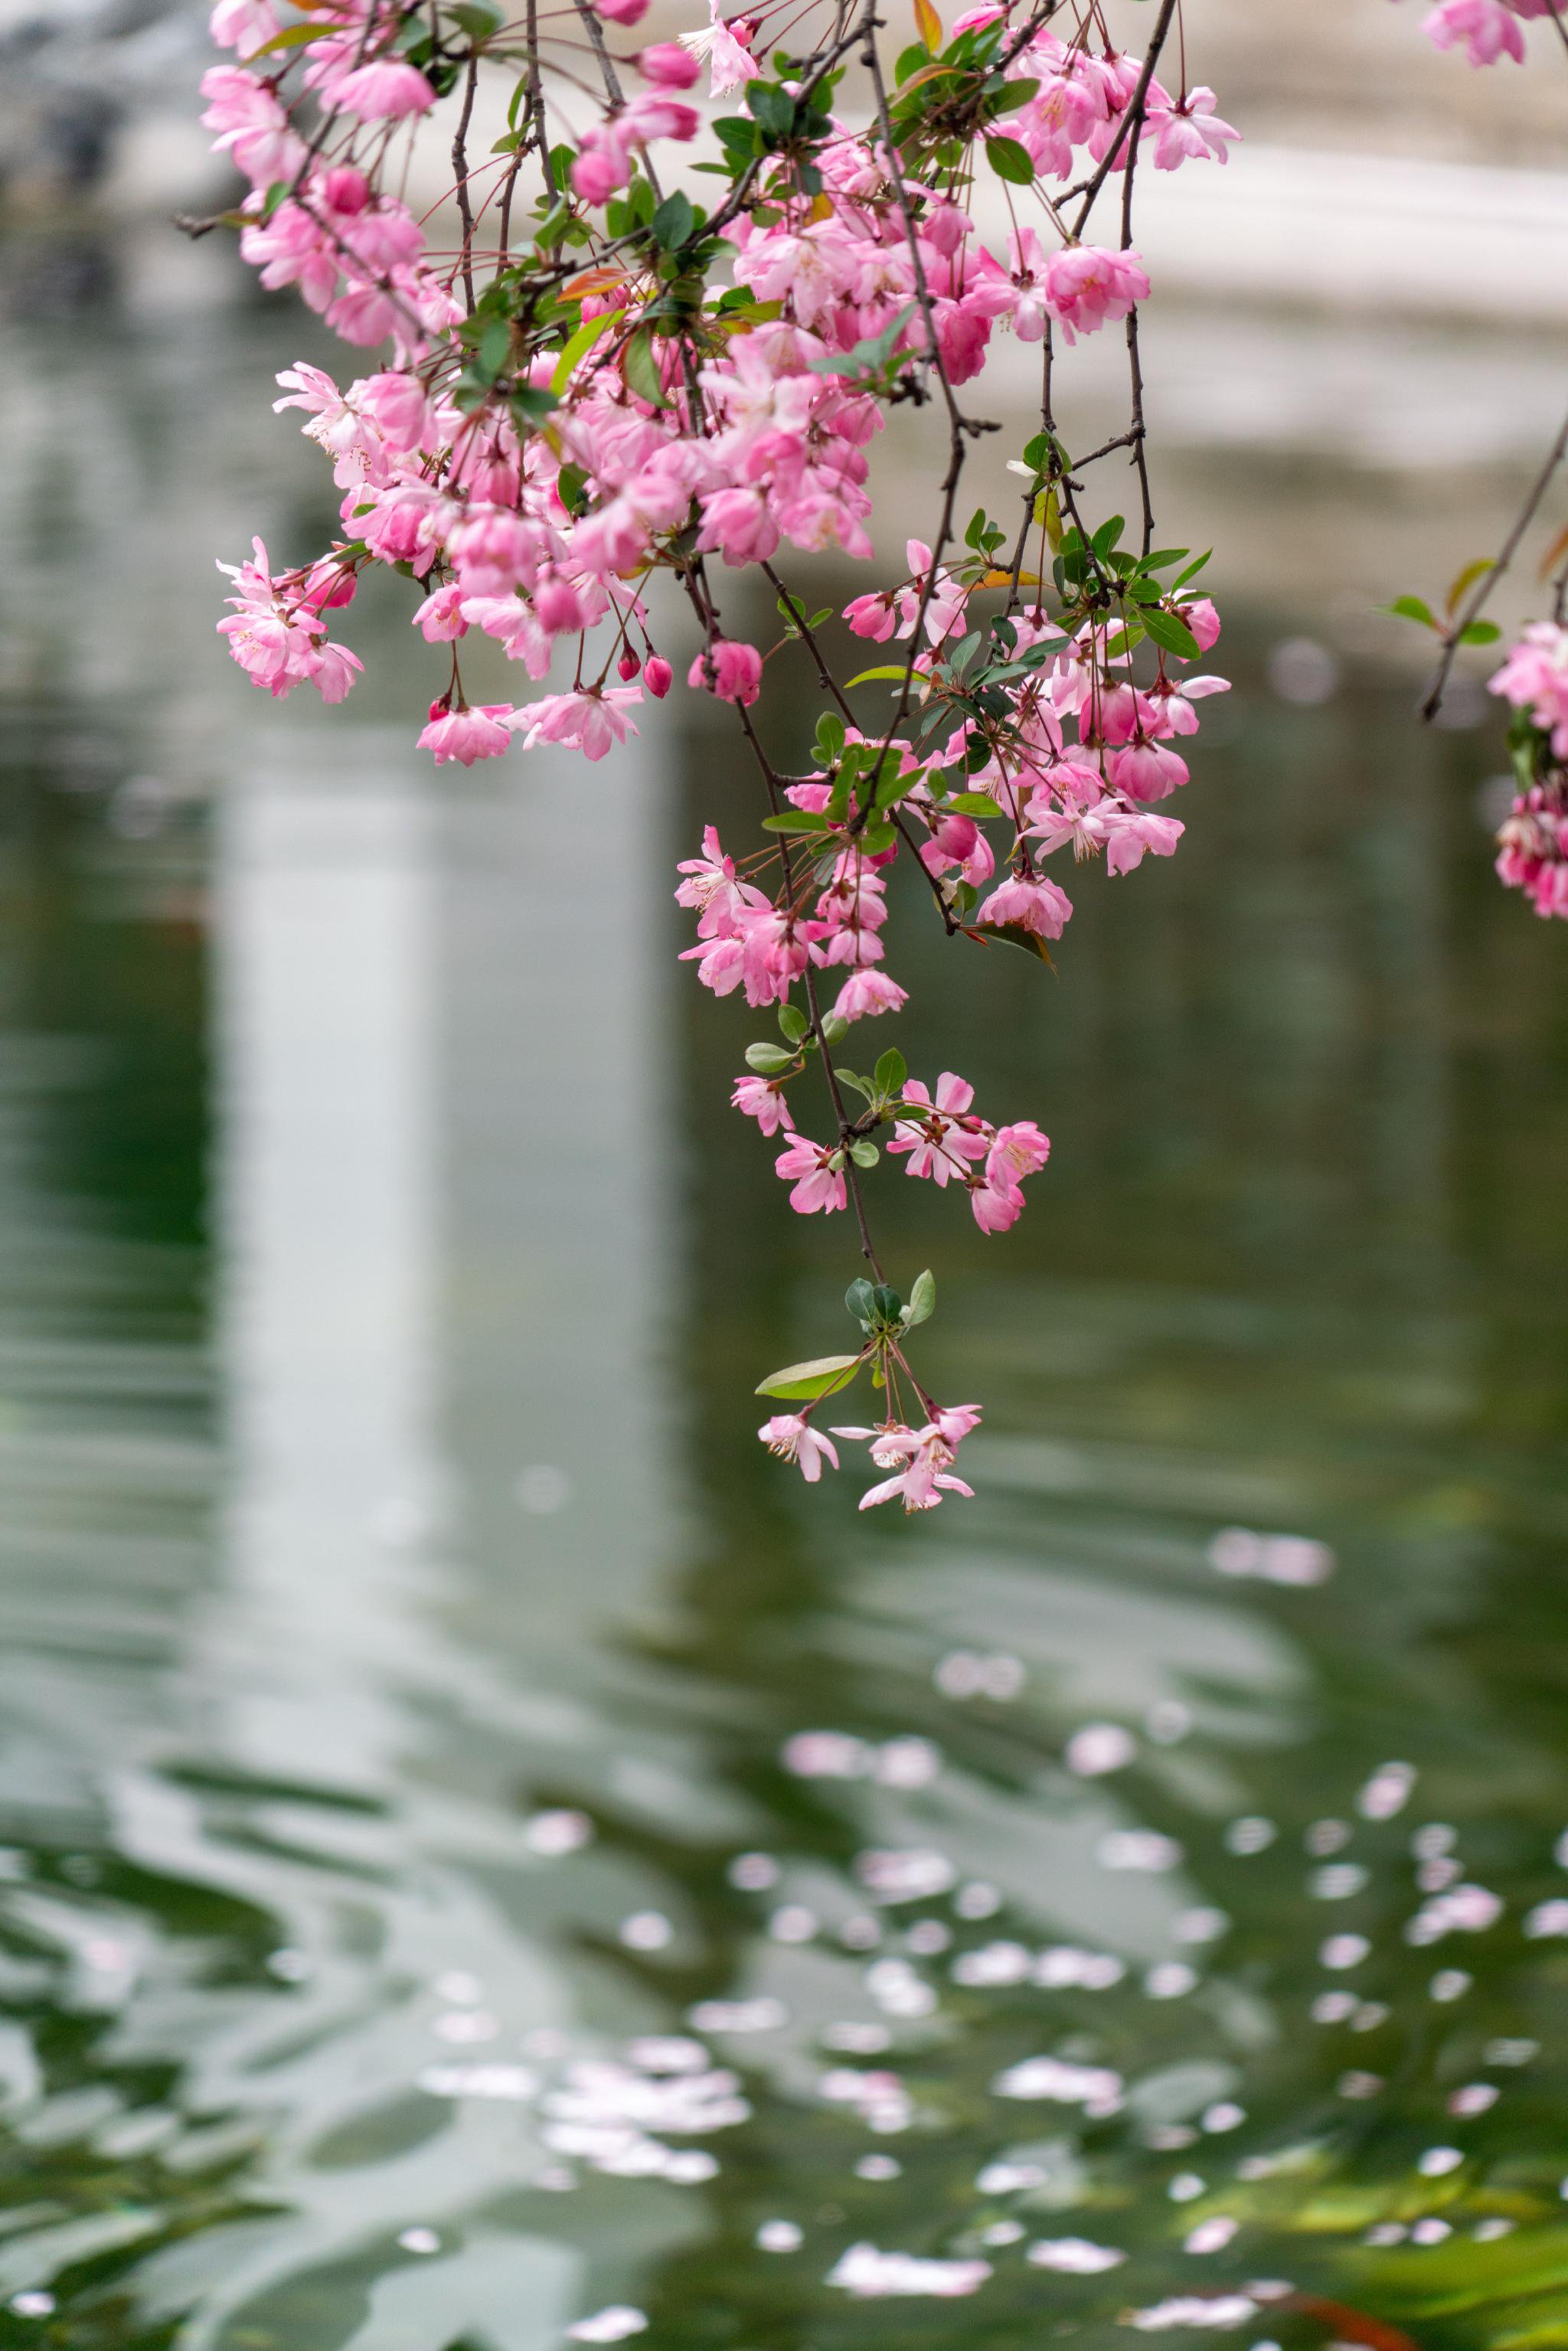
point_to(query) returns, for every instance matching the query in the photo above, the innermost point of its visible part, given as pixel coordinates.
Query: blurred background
(411, 1661)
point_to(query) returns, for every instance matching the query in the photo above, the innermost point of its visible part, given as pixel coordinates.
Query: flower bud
(627, 666)
(668, 65)
(658, 676)
(346, 190)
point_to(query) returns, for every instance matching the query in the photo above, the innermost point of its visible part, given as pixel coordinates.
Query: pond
(489, 1859)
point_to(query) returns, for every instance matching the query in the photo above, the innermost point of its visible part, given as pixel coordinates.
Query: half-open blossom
(483, 733)
(818, 1185)
(794, 1439)
(763, 1099)
(1085, 285)
(1033, 906)
(589, 722)
(732, 672)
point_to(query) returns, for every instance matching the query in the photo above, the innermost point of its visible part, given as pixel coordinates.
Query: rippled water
(484, 1849)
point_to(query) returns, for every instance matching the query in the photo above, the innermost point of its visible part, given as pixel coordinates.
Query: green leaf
(793, 1022)
(1193, 568)
(584, 340)
(835, 1029)
(1479, 633)
(1012, 96)
(891, 1071)
(641, 369)
(1411, 608)
(974, 804)
(473, 19)
(1013, 935)
(1105, 537)
(673, 223)
(768, 1061)
(899, 670)
(293, 37)
(1166, 631)
(864, 1154)
(824, 1375)
(530, 405)
(922, 1300)
(773, 107)
(860, 1299)
(801, 820)
(1011, 161)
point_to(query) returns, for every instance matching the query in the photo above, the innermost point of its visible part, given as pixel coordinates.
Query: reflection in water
(488, 1854)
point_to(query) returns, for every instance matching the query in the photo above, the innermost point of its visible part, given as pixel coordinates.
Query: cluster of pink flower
(615, 383)
(1486, 29)
(920, 1459)
(1532, 841)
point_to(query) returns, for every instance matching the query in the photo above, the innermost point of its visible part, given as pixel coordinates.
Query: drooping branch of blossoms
(1532, 839)
(606, 380)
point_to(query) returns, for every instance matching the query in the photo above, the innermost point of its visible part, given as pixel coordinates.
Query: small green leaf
(860, 1299)
(793, 1022)
(974, 804)
(673, 223)
(864, 1154)
(835, 1029)
(1011, 161)
(891, 1071)
(898, 670)
(1167, 632)
(584, 340)
(769, 1061)
(1411, 608)
(824, 1375)
(922, 1300)
(293, 37)
(801, 820)
(641, 369)
(1479, 633)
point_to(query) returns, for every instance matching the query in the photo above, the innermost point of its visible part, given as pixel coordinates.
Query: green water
(383, 1286)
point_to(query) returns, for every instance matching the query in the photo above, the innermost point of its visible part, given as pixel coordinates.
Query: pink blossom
(1203, 621)
(763, 1099)
(997, 1206)
(817, 1184)
(1189, 131)
(1146, 771)
(793, 1439)
(440, 617)
(657, 676)
(946, 1138)
(386, 90)
(591, 722)
(1017, 1151)
(1488, 29)
(726, 50)
(241, 24)
(867, 992)
(730, 670)
(738, 525)
(1033, 905)
(1085, 285)
(622, 12)
(468, 734)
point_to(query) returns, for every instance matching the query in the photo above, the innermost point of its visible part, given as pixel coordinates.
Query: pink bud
(595, 177)
(668, 65)
(346, 190)
(658, 676)
(622, 12)
(628, 665)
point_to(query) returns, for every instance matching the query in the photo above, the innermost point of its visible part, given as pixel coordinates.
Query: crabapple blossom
(580, 410)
